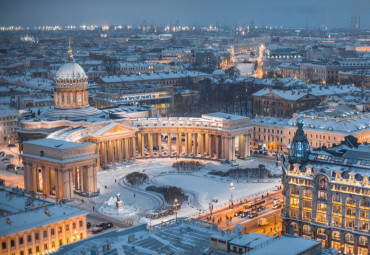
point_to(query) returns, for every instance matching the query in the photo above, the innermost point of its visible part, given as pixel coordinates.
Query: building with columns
(63, 149)
(57, 168)
(34, 226)
(327, 194)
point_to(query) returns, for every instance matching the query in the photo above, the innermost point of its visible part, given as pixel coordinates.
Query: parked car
(245, 214)
(238, 213)
(253, 215)
(260, 208)
(97, 230)
(10, 167)
(276, 206)
(108, 225)
(276, 200)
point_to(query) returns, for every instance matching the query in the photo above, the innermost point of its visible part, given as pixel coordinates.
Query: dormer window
(42, 153)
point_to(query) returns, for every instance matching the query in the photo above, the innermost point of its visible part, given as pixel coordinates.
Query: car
(276, 206)
(238, 213)
(97, 230)
(276, 200)
(276, 188)
(252, 215)
(100, 225)
(11, 145)
(105, 225)
(2, 154)
(245, 214)
(234, 164)
(108, 225)
(260, 208)
(10, 167)
(88, 225)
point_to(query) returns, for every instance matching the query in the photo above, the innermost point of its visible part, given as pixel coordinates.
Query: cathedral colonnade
(174, 142)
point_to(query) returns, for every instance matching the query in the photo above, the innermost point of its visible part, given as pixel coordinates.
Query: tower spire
(70, 55)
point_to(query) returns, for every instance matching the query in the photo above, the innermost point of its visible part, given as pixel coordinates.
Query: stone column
(223, 142)
(233, 148)
(210, 149)
(45, 180)
(199, 144)
(201, 138)
(160, 144)
(150, 144)
(186, 144)
(218, 145)
(190, 143)
(247, 145)
(169, 149)
(143, 145)
(195, 145)
(241, 146)
(133, 140)
(178, 144)
(127, 155)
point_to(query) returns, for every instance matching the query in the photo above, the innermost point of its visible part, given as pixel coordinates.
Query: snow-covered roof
(70, 70)
(25, 213)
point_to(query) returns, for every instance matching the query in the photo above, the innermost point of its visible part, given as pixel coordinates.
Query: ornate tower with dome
(71, 92)
(71, 85)
(300, 147)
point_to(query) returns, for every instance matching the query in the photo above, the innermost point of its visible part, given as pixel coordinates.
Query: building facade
(58, 169)
(280, 103)
(34, 226)
(327, 194)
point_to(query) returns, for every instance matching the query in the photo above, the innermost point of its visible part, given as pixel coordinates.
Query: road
(250, 225)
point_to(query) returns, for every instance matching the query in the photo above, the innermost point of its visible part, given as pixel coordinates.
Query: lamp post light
(176, 204)
(231, 193)
(210, 206)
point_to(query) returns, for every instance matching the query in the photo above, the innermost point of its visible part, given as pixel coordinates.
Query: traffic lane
(231, 212)
(250, 225)
(239, 220)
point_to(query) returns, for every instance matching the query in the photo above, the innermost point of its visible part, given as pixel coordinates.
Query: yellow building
(34, 226)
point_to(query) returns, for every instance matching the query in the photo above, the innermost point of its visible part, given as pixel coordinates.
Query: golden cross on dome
(69, 46)
(70, 51)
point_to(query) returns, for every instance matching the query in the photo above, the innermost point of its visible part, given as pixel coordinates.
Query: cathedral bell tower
(300, 147)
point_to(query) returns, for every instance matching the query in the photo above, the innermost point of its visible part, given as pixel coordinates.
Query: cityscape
(184, 128)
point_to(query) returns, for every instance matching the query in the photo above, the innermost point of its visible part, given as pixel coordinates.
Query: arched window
(349, 238)
(335, 235)
(363, 240)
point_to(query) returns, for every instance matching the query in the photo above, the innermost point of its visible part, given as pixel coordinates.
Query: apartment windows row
(36, 235)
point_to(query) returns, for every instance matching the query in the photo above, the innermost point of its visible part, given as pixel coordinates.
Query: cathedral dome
(70, 70)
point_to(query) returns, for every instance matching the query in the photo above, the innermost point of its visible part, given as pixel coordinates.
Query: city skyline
(311, 14)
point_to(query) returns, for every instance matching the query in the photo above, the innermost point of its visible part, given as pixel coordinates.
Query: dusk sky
(312, 13)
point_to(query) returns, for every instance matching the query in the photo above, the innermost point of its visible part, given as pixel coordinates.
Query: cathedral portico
(58, 168)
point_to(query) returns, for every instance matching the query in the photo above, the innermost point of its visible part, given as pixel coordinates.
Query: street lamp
(176, 204)
(231, 193)
(210, 206)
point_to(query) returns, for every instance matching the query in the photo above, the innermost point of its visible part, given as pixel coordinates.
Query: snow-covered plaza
(201, 188)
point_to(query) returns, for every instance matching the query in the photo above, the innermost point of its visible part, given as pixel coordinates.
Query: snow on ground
(199, 186)
(206, 189)
(109, 208)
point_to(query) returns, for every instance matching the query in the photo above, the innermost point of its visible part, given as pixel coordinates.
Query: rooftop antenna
(70, 55)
